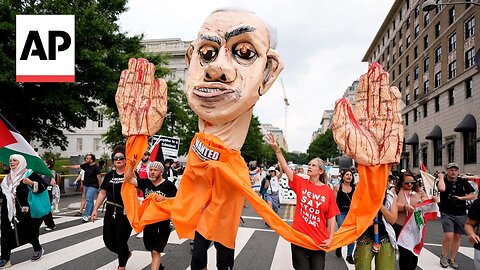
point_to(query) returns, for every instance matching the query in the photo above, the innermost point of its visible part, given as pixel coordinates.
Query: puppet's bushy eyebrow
(238, 31)
(211, 38)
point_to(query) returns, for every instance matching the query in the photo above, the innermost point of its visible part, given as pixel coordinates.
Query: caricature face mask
(230, 65)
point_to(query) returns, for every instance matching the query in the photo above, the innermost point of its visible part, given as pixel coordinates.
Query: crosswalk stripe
(282, 256)
(58, 234)
(60, 220)
(139, 260)
(173, 239)
(428, 260)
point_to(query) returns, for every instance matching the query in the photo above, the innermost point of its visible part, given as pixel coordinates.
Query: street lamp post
(432, 4)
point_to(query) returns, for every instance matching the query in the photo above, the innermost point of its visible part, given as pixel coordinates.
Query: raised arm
(278, 153)
(130, 175)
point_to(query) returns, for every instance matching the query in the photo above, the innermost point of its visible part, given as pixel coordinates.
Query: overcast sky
(321, 42)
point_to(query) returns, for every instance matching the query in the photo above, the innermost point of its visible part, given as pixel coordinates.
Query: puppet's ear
(188, 55)
(273, 67)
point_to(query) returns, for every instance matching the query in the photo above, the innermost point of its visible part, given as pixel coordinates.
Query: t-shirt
(91, 172)
(315, 204)
(142, 170)
(451, 206)
(165, 188)
(474, 214)
(274, 185)
(112, 184)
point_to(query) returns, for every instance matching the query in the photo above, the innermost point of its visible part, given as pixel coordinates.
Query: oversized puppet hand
(374, 134)
(141, 99)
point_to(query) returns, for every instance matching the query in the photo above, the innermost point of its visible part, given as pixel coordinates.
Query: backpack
(263, 190)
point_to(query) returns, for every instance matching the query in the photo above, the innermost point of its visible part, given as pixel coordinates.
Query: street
(74, 245)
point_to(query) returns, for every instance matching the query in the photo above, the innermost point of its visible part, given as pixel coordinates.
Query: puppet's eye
(245, 51)
(208, 53)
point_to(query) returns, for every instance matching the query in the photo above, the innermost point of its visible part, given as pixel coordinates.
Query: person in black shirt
(91, 182)
(454, 191)
(344, 193)
(169, 172)
(116, 227)
(472, 228)
(155, 236)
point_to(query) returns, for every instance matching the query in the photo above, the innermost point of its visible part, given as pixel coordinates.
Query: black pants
(306, 259)
(48, 219)
(116, 232)
(225, 256)
(25, 231)
(407, 260)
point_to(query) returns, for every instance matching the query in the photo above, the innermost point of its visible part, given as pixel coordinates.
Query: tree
(41, 111)
(323, 146)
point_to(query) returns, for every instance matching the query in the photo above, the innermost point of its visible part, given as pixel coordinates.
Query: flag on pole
(156, 153)
(413, 232)
(11, 142)
(422, 167)
(428, 182)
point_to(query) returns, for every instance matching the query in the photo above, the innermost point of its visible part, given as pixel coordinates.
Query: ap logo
(45, 48)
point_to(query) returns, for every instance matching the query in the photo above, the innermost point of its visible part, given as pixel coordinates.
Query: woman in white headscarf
(18, 227)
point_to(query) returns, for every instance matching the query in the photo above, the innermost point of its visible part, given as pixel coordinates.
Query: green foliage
(323, 146)
(297, 158)
(42, 110)
(253, 148)
(50, 155)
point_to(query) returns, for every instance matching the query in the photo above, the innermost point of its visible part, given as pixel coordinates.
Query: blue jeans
(90, 193)
(340, 219)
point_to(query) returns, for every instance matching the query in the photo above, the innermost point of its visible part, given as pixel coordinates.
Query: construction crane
(285, 99)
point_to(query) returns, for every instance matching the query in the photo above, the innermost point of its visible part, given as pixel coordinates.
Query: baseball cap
(271, 169)
(452, 164)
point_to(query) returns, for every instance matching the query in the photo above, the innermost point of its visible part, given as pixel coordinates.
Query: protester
(313, 196)
(91, 182)
(50, 183)
(472, 228)
(116, 227)
(344, 193)
(17, 226)
(80, 178)
(170, 173)
(272, 187)
(381, 229)
(454, 192)
(155, 236)
(408, 198)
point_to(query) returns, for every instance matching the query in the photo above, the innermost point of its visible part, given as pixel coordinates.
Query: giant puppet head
(231, 63)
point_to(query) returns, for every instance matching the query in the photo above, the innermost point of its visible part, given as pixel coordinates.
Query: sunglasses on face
(118, 158)
(408, 183)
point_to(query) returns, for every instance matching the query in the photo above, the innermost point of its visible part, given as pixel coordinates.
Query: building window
(415, 115)
(425, 42)
(399, 68)
(438, 8)
(437, 30)
(438, 54)
(408, 4)
(79, 144)
(425, 155)
(451, 16)
(417, 11)
(452, 69)
(437, 153)
(407, 80)
(406, 119)
(470, 147)
(426, 64)
(468, 87)
(417, 30)
(470, 27)
(467, 5)
(438, 79)
(451, 98)
(425, 86)
(407, 99)
(452, 42)
(451, 152)
(394, 57)
(437, 103)
(415, 94)
(100, 120)
(400, 86)
(407, 61)
(469, 56)
(415, 155)
(96, 144)
(416, 73)
(407, 41)
(400, 33)
(400, 50)
(415, 52)
(426, 19)
(407, 23)
(393, 75)
(425, 110)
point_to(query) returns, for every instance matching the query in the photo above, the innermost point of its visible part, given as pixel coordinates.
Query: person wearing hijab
(18, 227)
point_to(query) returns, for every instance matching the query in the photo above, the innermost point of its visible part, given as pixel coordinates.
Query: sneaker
(37, 255)
(50, 229)
(453, 264)
(85, 219)
(5, 264)
(338, 252)
(350, 260)
(444, 261)
(140, 235)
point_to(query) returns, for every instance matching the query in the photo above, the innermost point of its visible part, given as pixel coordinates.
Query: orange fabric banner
(210, 199)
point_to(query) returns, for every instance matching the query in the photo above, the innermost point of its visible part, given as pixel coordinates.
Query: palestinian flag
(413, 232)
(156, 153)
(429, 182)
(11, 142)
